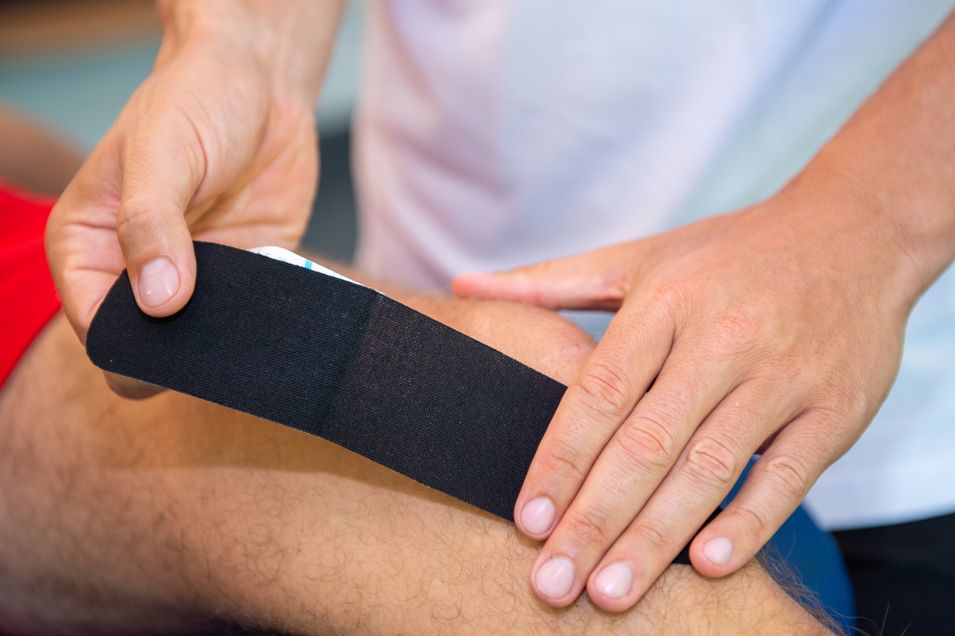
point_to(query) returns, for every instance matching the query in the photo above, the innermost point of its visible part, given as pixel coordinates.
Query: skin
(219, 144)
(171, 515)
(777, 329)
(113, 528)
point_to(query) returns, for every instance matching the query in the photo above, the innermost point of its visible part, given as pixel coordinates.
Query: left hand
(776, 329)
(216, 144)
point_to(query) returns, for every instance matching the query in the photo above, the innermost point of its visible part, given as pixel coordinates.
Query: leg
(170, 511)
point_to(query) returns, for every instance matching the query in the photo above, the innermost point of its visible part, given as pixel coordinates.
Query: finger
(774, 488)
(83, 250)
(609, 384)
(131, 388)
(80, 240)
(631, 466)
(162, 167)
(594, 280)
(703, 475)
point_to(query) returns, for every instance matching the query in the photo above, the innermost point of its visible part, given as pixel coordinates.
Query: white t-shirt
(497, 133)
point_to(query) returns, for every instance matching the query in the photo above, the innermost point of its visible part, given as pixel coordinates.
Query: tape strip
(329, 357)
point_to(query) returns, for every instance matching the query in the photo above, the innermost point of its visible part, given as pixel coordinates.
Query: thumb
(157, 186)
(594, 280)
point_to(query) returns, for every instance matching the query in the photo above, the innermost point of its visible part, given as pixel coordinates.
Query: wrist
(917, 214)
(897, 155)
(850, 234)
(290, 41)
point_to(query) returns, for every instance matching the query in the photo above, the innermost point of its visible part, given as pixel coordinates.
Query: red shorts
(27, 296)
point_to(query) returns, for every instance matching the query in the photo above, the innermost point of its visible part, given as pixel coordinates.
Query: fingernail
(555, 577)
(158, 281)
(615, 580)
(537, 515)
(718, 550)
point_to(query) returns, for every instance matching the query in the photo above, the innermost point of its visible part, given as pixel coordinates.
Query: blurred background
(70, 65)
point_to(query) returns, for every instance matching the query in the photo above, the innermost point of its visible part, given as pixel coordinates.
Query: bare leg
(153, 516)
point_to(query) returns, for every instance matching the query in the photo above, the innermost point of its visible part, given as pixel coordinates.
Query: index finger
(611, 381)
(84, 252)
(81, 244)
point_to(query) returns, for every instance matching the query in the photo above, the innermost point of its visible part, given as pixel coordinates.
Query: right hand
(211, 146)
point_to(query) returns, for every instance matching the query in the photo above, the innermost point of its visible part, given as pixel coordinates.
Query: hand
(211, 146)
(777, 329)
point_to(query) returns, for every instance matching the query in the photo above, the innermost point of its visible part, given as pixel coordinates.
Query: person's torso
(493, 134)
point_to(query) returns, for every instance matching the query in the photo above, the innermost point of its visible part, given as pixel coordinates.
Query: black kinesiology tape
(344, 362)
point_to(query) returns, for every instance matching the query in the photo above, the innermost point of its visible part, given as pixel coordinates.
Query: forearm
(895, 159)
(294, 38)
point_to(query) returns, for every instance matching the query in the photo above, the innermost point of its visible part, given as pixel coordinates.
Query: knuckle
(712, 462)
(789, 475)
(564, 458)
(134, 219)
(646, 442)
(783, 369)
(848, 398)
(604, 389)
(652, 536)
(750, 519)
(831, 436)
(674, 299)
(592, 526)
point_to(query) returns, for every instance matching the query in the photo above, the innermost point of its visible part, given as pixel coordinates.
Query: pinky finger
(774, 488)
